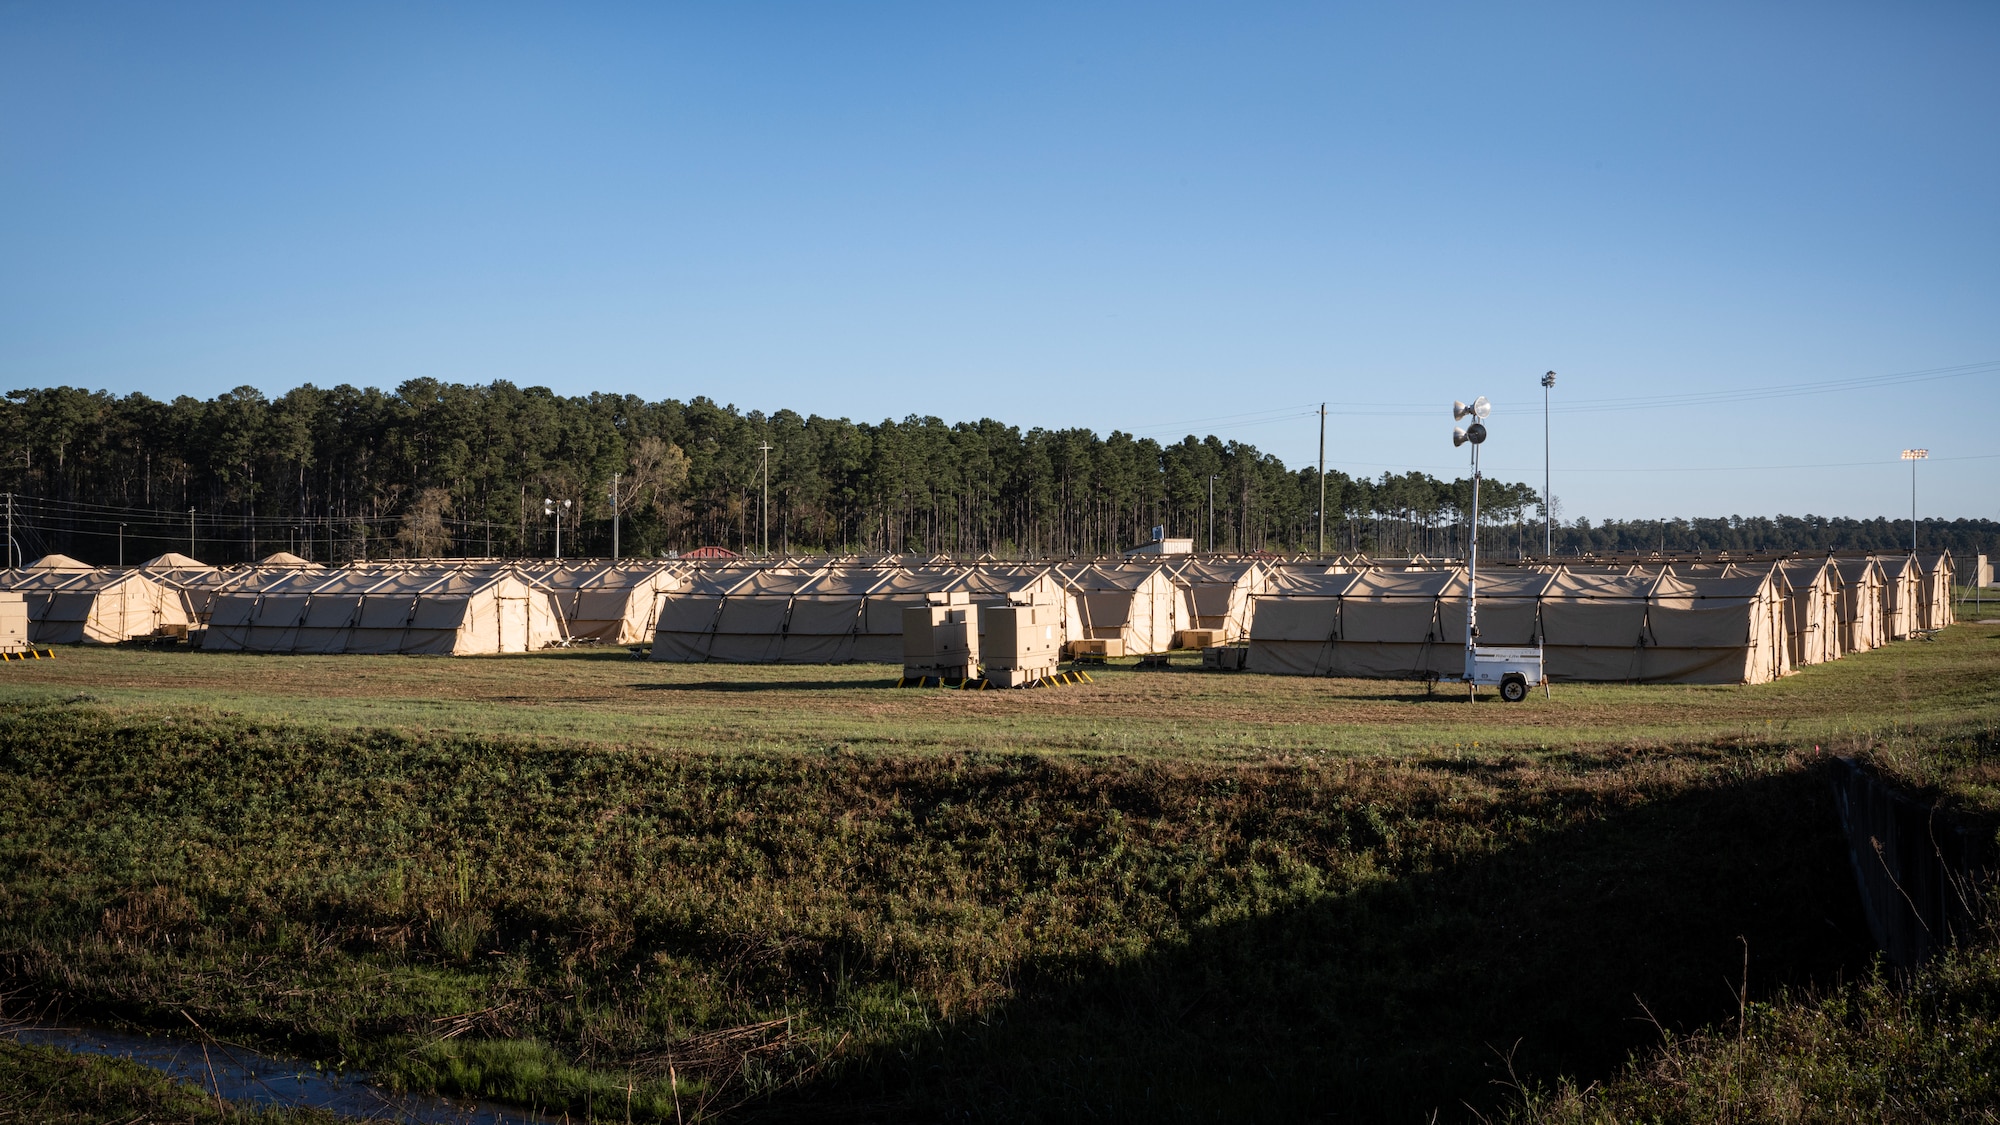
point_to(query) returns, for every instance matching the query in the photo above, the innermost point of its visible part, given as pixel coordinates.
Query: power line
(1603, 405)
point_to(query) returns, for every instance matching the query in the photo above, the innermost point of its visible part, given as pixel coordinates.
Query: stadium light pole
(1913, 456)
(1548, 512)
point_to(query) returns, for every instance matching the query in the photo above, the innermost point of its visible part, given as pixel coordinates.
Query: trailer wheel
(1513, 687)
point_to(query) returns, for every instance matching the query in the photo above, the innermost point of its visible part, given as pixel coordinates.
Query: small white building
(1161, 545)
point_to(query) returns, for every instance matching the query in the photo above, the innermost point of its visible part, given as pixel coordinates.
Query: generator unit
(1022, 643)
(941, 638)
(13, 622)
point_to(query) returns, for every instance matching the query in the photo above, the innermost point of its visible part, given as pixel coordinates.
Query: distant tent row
(1717, 622)
(827, 614)
(70, 603)
(1684, 621)
(1411, 624)
(452, 612)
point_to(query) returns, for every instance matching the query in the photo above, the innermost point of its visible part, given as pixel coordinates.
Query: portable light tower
(1511, 668)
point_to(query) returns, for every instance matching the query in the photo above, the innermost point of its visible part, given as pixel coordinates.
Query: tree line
(441, 469)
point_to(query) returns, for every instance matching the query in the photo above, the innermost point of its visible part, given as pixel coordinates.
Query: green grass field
(608, 698)
(683, 892)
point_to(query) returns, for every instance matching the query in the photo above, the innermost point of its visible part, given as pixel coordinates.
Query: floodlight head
(1549, 380)
(1457, 438)
(1916, 454)
(548, 506)
(1459, 410)
(1481, 407)
(1475, 433)
(566, 503)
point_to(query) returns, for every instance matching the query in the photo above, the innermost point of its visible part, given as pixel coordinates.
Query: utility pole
(10, 531)
(191, 553)
(1548, 513)
(1211, 513)
(764, 514)
(1913, 456)
(121, 544)
(614, 517)
(1322, 478)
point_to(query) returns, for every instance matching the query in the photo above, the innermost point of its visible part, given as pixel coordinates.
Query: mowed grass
(688, 892)
(607, 697)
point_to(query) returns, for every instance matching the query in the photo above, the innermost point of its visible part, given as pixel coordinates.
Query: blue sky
(1153, 217)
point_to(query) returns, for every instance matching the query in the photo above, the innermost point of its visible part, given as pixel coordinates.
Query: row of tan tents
(1685, 621)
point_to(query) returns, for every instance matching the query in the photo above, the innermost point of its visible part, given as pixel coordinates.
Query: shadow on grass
(1415, 994)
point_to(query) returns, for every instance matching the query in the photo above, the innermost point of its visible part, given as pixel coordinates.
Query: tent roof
(1116, 577)
(284, 558)
(1218, 572)
(1401, 583)
(1298, 582)
(69, 580)
(58, 562)
(1852, 570)
(174, 560)
(1588, 586)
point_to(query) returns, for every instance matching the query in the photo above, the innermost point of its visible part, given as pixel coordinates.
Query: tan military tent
(824, 615)
(58, 562)
(453, 612)
(1135, 603)
(743, 615)
(94, 606)
(1812, 610)
(1656, 627)
(1295, 625)
(605, 601)
(1863, 604)
(1716, 630)
(197, 585)
(1902, 589)
(1222, 593)
(1370, 624)
(1935, 595)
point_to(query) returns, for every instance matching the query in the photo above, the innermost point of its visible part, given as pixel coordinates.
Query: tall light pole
(549, 509)
(614, 517)
(1473, 434)
(1913, 456)
(121, 544)
(1211, 513)
(1322, 478)
(764, 514)
(190, 532)
(1548, 501)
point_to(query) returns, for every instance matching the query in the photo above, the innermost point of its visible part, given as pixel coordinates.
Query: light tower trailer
(1513, 669)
